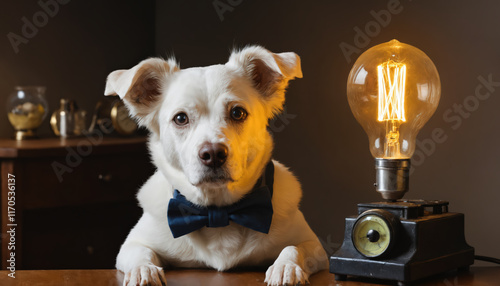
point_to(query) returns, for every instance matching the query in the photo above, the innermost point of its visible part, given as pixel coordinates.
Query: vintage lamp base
(414, 239)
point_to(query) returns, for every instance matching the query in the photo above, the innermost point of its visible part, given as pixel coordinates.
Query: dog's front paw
(145, 275)
(286, 273)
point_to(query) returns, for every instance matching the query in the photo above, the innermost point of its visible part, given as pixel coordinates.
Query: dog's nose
(213, 155)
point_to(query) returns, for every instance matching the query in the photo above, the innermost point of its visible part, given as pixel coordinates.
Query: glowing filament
(391, 91)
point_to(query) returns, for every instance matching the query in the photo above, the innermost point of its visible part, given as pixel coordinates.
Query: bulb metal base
(393, 177)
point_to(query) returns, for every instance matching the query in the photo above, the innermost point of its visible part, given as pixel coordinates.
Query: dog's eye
(238, 114)
(181, 119)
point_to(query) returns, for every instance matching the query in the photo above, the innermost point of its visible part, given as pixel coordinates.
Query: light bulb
(393, 89)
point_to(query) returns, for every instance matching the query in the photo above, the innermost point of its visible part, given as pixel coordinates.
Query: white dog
(210, 144)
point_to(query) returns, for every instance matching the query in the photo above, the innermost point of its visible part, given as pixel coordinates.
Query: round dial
(374, 232)
(121, 119)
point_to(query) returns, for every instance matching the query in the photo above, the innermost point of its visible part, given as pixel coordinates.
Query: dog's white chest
(221, 248)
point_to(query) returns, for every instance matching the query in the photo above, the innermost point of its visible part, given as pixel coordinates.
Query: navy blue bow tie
(254, 211)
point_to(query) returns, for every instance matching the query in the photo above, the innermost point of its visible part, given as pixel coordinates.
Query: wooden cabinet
(74, 200)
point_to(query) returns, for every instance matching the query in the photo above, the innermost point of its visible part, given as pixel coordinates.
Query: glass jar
(26, 110)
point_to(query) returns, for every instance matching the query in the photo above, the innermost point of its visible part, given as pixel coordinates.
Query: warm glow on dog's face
(213, 105)
(209, 125)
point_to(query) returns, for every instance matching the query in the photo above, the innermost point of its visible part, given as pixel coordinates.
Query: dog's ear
(268, 72)
(141, 88)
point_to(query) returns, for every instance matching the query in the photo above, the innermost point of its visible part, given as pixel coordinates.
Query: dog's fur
(155, 91)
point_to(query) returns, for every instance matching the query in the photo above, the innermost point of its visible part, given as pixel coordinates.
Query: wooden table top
(477, 276)
(53, 146)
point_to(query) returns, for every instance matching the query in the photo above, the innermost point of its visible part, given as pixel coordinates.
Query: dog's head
(209, 122)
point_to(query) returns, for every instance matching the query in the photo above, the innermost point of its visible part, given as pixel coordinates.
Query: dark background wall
(73, 51)
(318, 138)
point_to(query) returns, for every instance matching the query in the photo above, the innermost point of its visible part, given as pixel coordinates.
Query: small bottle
(80, 122)
(63, 119)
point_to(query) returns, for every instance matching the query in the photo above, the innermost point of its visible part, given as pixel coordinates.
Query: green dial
(373, 233)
